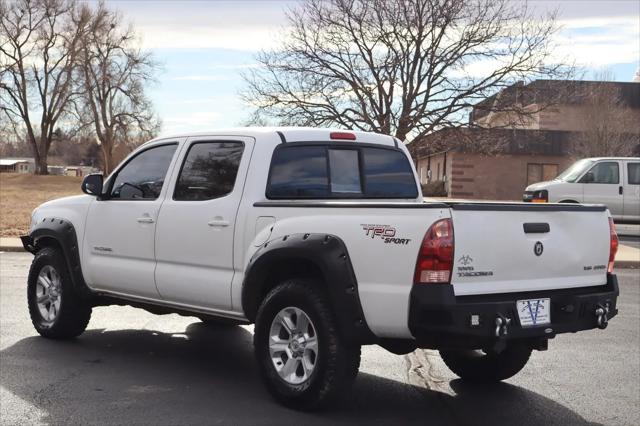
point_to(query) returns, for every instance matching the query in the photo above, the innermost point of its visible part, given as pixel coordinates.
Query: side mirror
(588, 178)
(92, 185)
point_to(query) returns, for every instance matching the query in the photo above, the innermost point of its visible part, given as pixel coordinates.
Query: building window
(541, 172)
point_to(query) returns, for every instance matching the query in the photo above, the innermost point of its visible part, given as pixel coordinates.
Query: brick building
(498, 155)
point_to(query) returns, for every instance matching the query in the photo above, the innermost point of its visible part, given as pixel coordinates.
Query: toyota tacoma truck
(322, 239)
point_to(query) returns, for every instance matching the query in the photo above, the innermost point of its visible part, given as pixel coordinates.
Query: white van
(614, 182)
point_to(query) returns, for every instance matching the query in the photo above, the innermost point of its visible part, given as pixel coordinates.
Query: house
(17, 165)
(79, 171)
(500, 153)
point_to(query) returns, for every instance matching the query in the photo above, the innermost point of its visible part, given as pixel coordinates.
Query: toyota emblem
(538, 248)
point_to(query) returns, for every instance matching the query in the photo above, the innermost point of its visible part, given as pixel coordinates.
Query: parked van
(614, 182)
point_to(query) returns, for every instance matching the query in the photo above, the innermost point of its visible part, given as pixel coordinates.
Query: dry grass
(21, 193)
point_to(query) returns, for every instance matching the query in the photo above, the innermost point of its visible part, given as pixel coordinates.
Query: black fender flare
(329, 254)
(64, 233)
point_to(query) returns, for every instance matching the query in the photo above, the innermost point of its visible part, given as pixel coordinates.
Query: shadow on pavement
(208, 376)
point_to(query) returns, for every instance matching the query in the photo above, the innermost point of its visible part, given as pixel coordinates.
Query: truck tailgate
(502, 248)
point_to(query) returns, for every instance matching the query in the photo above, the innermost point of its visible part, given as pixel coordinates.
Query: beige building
(17, 165)
(502, 151)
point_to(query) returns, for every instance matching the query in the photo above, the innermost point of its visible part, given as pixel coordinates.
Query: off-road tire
(337, 363)
(480, 367)
(74, 313)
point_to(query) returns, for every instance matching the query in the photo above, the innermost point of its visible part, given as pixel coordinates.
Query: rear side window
(633, 171)
(346, 171)
(209, 171)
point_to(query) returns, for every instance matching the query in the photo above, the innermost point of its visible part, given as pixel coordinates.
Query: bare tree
(610, 125)
(114, 72)
(38, 50)
(402, 67)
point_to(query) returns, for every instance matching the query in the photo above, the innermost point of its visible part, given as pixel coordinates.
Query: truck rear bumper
(438, 319)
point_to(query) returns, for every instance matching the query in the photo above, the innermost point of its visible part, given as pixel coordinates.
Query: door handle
(145, 219)
(536, 228)
(218, 222)
(620, 190)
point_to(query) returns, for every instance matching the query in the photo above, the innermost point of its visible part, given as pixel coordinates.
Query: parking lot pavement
(132, 367)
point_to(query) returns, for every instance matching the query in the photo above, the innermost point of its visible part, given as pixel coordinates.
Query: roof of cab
(291, 134)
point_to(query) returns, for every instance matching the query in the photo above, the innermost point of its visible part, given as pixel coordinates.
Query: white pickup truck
(322, 239)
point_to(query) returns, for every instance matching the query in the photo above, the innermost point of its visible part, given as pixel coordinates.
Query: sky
(203, 46)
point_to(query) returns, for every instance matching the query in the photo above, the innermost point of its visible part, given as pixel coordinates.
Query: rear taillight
(613, 244)
(435, 258)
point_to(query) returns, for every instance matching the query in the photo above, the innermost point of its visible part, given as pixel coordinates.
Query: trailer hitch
(602, 315)
(502, 323)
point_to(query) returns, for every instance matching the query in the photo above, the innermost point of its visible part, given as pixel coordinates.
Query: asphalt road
(131, 367)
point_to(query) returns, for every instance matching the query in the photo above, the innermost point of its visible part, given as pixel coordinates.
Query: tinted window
(633, 170)
(304, 171)
(299, 172)
(606, 172)
(388, 174)
(209, 171)
(345, 172)
(143, 176)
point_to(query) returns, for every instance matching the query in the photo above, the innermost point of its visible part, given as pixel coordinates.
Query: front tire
(304, 362)
(56, 310)
(487, 367)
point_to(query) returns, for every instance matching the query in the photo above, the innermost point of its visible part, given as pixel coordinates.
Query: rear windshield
(340, 171)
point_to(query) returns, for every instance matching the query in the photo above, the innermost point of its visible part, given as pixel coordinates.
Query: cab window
(143, 176)
(209, 171)
(633, 172)
(344, 171)
(604, 172)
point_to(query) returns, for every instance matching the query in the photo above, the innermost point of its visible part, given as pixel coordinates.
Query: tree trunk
(41, 166)
(107, 158)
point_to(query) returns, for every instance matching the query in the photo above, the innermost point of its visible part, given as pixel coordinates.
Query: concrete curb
(11, 249)
(626, 264)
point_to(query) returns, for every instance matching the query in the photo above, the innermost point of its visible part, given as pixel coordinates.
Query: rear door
(515, 247)
(603, 185)
(195, 233)
(632, 191)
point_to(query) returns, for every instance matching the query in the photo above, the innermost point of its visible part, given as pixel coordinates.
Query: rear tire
(304, 362)
(56, 310)
(480, 367)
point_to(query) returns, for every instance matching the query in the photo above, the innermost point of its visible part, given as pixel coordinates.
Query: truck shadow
(208, 375)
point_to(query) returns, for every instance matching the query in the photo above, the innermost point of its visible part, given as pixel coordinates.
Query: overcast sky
(203, 45)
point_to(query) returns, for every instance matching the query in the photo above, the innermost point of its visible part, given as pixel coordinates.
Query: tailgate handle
(536, 228)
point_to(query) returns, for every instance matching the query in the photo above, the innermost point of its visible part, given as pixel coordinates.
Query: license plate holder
(534, 312)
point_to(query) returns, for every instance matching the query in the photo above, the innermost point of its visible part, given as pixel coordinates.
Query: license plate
(534, 312)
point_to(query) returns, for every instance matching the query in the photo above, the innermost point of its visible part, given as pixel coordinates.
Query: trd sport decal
(385, 232)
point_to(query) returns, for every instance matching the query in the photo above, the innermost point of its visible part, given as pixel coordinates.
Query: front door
(119, 238)
(194, 239)
(603, 185)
